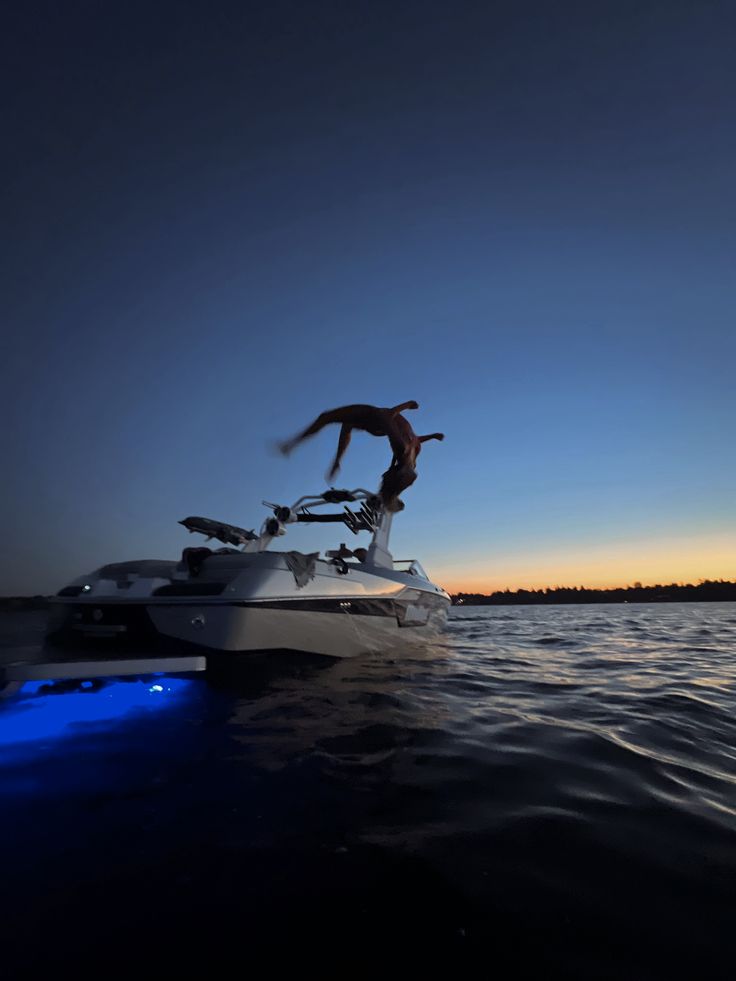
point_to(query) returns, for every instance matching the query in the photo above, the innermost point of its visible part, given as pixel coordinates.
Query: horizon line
(598, 589)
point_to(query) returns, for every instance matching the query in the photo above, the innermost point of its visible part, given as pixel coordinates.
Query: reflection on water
(561, 773)
(316, 706)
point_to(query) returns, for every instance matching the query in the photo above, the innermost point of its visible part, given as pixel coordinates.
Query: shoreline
(708, 591)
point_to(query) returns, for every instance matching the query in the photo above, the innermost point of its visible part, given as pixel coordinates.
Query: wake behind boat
(248, 597)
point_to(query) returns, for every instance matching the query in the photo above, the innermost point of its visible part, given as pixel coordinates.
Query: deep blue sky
(220, 219)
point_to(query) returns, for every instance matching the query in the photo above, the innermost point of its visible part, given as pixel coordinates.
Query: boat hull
(242, 603)
(337, 628)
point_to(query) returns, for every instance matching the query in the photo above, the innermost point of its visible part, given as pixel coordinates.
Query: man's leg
(342, 445)
(404, 405)
(322, 420)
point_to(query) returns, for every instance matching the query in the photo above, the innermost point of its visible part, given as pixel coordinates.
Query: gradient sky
(220, 219)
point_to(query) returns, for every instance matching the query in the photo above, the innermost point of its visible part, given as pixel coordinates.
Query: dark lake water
(547, 789)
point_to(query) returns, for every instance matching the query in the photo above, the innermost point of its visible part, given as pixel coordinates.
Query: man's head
(395, 480)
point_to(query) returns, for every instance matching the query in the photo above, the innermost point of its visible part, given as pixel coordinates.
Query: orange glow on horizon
(618, 564)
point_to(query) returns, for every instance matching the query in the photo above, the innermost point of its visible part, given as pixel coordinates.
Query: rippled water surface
(553, 785)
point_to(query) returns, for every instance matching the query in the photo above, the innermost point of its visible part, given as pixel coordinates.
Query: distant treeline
(23, 602)
(708, 591)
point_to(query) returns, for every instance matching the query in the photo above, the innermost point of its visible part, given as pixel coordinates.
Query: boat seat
(194, 558)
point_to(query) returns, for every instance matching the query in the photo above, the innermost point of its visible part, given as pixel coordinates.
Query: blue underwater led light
(47, 710)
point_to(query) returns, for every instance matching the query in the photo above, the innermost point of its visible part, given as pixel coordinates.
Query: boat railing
(331, 496)
(369, 516)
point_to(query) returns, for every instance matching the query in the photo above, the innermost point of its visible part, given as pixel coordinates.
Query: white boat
(248, 597)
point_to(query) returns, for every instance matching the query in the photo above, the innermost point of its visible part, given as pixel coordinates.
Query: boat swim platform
(13, 675)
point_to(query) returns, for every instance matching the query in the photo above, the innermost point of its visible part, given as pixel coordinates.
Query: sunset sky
(225, 218)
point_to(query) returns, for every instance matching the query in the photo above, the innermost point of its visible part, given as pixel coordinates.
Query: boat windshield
(411, 566)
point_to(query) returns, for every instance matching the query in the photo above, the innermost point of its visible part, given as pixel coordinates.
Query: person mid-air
(389, 422)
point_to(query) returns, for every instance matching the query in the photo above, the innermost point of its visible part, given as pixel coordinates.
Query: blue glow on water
(44, 710)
